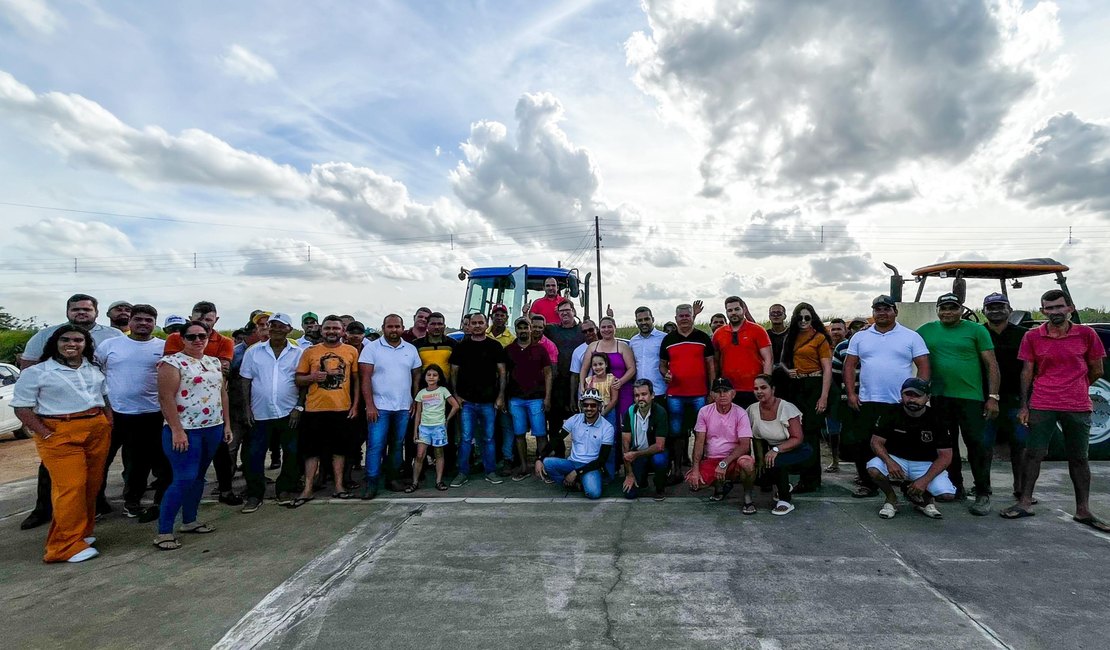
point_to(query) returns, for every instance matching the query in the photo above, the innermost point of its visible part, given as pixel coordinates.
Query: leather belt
(83, 415)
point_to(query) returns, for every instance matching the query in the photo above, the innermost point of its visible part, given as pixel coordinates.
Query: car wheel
(1100, 415)
(22, 433)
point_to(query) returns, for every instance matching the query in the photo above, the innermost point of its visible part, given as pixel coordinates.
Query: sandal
(782, 508)
(170, 544)
(1016, 512)
(299, 501)
(749, 508)
(410, 488)
(342, 495)
(1094, 522)
(441, 486)
(199, 529)
(833, 469)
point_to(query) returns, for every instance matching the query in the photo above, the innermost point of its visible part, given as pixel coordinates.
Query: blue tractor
(515, 286)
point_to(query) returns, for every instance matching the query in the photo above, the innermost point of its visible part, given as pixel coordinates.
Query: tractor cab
(515, 286)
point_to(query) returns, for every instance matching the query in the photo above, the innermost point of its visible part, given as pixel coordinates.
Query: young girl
(604, 381)
(432, 429)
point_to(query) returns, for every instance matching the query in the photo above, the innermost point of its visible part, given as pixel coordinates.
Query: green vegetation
(12, 343)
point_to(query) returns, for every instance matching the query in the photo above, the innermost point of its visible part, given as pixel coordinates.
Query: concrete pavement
(527, 564)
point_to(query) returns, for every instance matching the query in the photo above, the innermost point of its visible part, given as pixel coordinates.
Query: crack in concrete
(617, 555)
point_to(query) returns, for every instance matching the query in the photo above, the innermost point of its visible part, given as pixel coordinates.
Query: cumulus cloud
(32, 14)
(815, 97)
(843, 268)
(653, 291)
(292, 257)
(387, 268)
(790, 232)
(94, 243)
(663, 256)
(752, 285)
(538, 178)
(1067, 165)
(240, 62)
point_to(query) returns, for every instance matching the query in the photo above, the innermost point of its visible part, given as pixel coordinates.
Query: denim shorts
(434, 435)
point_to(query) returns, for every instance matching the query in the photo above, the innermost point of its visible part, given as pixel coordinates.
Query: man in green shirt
(959, 351)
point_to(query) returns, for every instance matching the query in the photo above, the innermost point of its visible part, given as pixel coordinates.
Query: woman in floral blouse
(193, 396)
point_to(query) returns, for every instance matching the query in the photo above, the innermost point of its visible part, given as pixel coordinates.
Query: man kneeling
(911, 445)
(591, 443)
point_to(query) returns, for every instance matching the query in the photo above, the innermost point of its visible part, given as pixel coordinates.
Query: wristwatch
(722, 465)
(298, 408)
(994, 397)
(775, 449)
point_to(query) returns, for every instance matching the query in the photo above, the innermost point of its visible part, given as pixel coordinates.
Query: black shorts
(323, 433)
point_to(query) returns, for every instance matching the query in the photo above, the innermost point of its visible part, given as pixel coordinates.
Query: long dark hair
(792, 331)
(50, 350)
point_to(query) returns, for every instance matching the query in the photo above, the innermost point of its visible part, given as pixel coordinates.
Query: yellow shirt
(505, 339)
(334, 393)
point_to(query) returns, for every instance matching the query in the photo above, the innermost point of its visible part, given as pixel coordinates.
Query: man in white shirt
(589, 330)
(389, 370)
(81, 310)
(886, 354)
(268, 375)
(130, 365)
(645, 346)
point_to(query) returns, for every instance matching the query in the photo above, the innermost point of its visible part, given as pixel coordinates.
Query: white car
(8, 421)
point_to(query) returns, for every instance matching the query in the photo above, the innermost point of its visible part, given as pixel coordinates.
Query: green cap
(307, 315)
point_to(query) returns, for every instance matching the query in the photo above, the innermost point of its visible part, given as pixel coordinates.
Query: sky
(351, 157)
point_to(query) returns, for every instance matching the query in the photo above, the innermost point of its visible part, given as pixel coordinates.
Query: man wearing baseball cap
(1006, 338)
(173, 324)
(886, 354)
(591, 443)
(119, 315)
(310, 325)
(911, 444)
(722, 442)
(498, 326)
(959, 353)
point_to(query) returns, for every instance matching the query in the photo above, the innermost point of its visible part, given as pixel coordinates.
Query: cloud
(790, 232)
(752, 285)
(843, 268)
(816, 97)
(95, 243)
(240, 62)
(537, 179)
(653, 291)
(1067, 165)
(387, 268)
(663, 257)
(290, 257)
(33, 14)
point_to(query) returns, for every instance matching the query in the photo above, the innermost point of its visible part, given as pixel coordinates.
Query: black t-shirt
(913, 438)
(477, 363)
(566, 339)
(1006, 347)
(778, 341)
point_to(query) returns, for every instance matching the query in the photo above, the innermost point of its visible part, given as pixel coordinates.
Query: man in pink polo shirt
(1061, 360)
(547, 304)
(722, 443)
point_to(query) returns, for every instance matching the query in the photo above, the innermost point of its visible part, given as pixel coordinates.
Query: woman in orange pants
(64, 402)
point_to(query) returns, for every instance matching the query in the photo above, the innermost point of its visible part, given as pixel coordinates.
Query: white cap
(281, 317)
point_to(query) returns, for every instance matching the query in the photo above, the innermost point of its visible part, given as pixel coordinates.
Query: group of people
(756, 403)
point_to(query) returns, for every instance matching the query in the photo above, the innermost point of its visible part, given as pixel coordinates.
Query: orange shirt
(809, 352)
(341, 364)
(741, 360)
(219, 346)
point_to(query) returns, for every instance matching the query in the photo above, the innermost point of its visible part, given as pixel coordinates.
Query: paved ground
(523, 564)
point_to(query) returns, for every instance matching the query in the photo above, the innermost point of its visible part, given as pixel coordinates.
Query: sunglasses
(194, 337)
(805, 319)
(778, 313)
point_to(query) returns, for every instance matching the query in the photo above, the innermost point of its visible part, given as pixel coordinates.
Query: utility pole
(597, 250)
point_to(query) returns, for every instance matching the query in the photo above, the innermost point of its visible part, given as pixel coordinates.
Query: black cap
(949, 297)
(883, 300)
(916, 384)
(721, 384)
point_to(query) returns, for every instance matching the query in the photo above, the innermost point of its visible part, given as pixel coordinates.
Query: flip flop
(299, 501)
(748, 509)
(410, 488)
(342, 495)
(167, 544)
(1094, 522)
(1016, 512)
(200, 529)
(441, 486)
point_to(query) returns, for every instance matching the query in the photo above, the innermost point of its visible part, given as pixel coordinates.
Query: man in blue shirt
(591, 443)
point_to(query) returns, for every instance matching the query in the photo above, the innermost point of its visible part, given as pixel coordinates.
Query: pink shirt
(546, 307)
(1060, 367)
(723, 431)
(552, 351)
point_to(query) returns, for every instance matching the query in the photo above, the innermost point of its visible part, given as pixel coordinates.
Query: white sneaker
(86, 554)
(91, 541)
(929, 511)
(888, 511)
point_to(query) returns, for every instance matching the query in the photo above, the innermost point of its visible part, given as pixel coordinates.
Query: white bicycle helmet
(590, 393)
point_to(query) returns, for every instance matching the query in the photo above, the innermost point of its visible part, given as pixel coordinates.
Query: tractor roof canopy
(994, 270)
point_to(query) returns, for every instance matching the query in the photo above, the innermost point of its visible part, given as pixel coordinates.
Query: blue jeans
(189, 468)
(558, 468)
(657, 462)
(527, 415)
(485, 413)
(677, 408)
(389, 422)
(1008, 422)
(613, 418)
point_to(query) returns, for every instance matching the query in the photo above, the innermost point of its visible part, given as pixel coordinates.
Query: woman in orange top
(807, 358)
